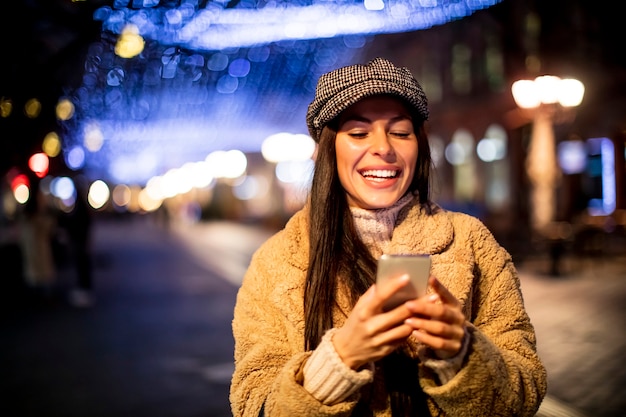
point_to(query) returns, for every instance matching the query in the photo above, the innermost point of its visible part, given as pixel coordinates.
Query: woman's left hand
(438, 321)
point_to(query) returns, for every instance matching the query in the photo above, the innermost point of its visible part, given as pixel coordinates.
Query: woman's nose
(381, 144)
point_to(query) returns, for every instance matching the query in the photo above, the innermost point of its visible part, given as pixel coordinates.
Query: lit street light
(546, 98)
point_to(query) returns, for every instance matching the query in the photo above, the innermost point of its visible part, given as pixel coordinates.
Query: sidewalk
(579, 319)
(157, 342)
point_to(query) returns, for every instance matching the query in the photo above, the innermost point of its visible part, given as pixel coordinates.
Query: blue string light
(217, 78)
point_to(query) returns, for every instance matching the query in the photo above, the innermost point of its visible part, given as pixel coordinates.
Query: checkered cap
(339, 89)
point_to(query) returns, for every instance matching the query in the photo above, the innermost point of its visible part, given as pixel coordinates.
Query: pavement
(158, 340)
(579, 319)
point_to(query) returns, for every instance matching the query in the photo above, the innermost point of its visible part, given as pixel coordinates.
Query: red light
(18, 180)
(39, 164)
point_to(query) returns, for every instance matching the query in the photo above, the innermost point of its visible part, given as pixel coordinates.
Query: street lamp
(547, 98)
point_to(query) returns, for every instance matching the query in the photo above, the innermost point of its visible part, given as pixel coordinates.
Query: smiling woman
(312, 334)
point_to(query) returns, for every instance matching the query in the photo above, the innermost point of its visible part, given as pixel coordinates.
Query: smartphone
(393, 266)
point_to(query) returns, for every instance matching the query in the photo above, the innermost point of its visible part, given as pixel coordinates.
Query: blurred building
(467, 68)
(136, 122)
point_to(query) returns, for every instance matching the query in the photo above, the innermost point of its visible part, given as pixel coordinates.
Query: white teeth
(380, 173)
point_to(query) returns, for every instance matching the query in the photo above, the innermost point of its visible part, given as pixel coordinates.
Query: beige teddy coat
(501, 375)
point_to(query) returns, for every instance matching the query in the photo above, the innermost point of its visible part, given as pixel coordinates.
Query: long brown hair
(335, 250)
(334, 245)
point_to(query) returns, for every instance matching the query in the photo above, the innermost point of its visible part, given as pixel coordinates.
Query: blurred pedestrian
(78, 225)
(37, 226)
(311, 335)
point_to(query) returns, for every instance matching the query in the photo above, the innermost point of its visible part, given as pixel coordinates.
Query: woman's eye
(358, 135)
(400, 134)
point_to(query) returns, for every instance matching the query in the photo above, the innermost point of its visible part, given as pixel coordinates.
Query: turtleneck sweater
(375, 227)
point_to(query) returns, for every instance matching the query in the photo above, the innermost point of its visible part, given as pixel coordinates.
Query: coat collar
(419, 229)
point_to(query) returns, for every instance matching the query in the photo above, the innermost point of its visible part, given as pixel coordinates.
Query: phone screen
(393, 266)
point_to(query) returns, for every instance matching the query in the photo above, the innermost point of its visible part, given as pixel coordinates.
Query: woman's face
(376, 150)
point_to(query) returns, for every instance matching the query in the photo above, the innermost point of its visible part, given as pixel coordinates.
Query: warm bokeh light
(64, 109)
(547, 89)
(98, 194)
(121, 195)
(51, 144)
(21, 188)
(133, 205)
(174, 182)
(571, 92)
(32, 108)
(287, 147)
(39, 164)
(154, 188)
(130, 43)
(6, 107)
(21, 193)
(201, 174)
(227, 164)
(147, 202)
(525, 94)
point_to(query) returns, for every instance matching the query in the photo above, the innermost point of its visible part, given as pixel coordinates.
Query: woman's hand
(369, 333)
(438, 321)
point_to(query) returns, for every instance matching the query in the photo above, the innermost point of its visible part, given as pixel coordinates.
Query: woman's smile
(379, 175)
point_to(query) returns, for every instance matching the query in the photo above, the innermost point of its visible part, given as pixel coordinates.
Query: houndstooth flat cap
(339, 89)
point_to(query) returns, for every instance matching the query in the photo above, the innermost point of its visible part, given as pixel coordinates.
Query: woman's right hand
(369, 333)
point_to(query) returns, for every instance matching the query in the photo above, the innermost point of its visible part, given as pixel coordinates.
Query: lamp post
(547, 99)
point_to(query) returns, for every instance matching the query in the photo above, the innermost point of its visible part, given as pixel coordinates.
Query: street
(158, 340)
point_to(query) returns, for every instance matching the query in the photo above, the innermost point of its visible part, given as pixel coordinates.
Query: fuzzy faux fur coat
(501, 375)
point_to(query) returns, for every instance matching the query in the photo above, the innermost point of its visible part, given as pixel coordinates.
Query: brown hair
(335, 248)
(336, 252)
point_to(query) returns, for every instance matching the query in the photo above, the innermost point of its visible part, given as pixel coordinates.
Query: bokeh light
(130, 43)
(64, 109)
(51, 144)
(39, 164)
(98, 194)
(211, 76)
(32, 108)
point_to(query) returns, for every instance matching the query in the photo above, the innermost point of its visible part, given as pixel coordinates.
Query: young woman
(311, 335)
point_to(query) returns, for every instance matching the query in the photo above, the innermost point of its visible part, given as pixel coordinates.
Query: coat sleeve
(269, 348)
(502, 372)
